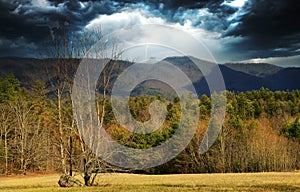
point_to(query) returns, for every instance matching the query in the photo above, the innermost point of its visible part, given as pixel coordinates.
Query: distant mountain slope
(256, 69)
(22, 68)
(237, 77)
(239, 81)
(285, 79)
(243, 77)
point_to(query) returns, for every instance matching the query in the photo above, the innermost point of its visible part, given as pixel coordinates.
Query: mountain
(22, 68)
(255, 69)
(237, 77)
(287, 78)
(241, 77)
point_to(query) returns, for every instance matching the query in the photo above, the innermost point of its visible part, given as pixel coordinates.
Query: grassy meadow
(161, 183)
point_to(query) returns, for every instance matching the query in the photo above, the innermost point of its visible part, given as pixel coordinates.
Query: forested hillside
(237, 77)
(261, 132)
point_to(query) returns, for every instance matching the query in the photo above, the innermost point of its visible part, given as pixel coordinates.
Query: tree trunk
(22, 149)
(86, 176)
(71, 169)
(222, 143)
(6, 152)
(61, 133)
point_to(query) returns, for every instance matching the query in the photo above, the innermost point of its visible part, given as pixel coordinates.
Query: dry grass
(163, 183)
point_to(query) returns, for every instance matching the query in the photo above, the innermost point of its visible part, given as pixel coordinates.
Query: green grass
(162, 183)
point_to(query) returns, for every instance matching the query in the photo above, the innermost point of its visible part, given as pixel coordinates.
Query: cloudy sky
(233, 30)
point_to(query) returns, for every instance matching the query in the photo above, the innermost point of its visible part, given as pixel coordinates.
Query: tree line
(261, 132)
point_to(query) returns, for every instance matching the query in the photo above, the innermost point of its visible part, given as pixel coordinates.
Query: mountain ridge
(238, 77)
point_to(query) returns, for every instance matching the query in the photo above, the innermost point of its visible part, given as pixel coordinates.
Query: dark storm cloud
(256, 29)
(170, 4)
(32, 21)
(270, 28)
(178, 11)
(25, 17)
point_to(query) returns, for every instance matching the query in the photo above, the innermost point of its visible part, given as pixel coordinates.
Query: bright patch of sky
(82, 5)
(235, 3)
(40, 3)
(290, 61)
(131, 19)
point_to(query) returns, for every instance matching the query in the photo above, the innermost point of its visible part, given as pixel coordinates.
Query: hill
(237, 77)
(255, 69)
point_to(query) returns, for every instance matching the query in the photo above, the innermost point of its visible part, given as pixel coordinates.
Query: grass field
(161, 183)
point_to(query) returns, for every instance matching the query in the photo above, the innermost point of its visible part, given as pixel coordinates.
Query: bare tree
(60, 70)
(67, 52)
(6, 122)
(29, 133)
(103, 49)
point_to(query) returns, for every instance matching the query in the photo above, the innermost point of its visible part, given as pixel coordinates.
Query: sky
(255, 31)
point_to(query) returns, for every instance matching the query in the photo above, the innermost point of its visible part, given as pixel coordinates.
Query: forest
(261, 132)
